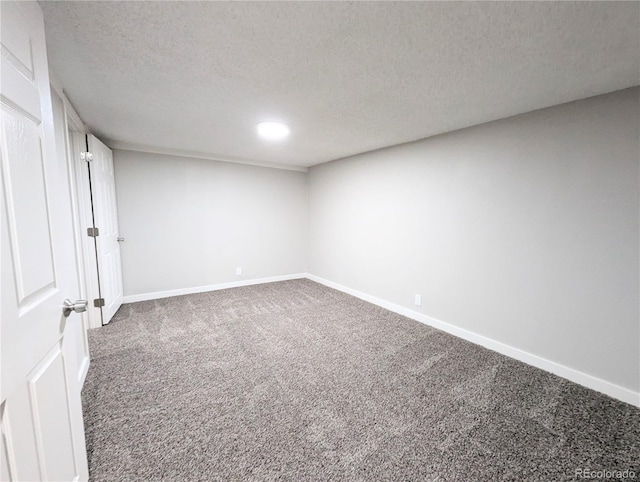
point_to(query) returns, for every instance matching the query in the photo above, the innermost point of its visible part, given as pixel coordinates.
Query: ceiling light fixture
(273, 131)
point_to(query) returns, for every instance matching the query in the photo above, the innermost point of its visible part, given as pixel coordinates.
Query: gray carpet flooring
(296, 381)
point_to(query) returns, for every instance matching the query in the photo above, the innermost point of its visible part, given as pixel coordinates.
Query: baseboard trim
(571, 374)
(215, 287)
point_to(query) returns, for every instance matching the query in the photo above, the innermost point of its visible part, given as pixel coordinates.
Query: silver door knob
(68, 306)
(119, 240)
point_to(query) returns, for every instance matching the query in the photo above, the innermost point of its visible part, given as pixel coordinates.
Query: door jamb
(75, 132)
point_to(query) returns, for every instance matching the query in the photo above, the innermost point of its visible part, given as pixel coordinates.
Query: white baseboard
(201, 289)
(571, 374)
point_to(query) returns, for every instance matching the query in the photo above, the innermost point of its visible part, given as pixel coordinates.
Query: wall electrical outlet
(418, 300)
(238, 271)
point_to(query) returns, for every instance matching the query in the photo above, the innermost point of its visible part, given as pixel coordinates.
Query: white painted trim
(73, 119)
(571, 374)
(55, 83)
(201, 289)
(72, 130)
(84, 369)
(128, 146)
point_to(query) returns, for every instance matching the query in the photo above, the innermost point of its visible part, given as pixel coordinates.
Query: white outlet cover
(418, 300)
(238, 271)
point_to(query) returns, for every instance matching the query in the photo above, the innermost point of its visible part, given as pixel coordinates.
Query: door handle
(68, 306)
(119, 240)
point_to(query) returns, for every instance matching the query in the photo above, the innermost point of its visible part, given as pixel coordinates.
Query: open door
(105, 216)
(40, 407)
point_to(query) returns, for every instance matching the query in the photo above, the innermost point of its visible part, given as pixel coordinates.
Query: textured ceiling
(347, 77)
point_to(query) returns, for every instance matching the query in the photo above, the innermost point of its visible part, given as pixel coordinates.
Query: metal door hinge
(93, 232)
(86, 156)
(98, 302)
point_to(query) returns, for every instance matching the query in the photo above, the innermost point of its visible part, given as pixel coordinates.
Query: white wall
(524, 230)
(189, 222)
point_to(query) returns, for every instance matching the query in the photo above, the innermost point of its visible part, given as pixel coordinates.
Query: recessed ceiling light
(273, 131)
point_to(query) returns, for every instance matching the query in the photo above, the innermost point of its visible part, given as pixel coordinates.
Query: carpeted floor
(295, 381)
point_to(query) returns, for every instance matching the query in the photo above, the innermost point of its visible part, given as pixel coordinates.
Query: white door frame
(81, 203)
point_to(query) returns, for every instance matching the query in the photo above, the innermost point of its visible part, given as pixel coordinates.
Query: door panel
(103, 188)
(40, 408)
(30, 243)
(20, 444)
(50, 411)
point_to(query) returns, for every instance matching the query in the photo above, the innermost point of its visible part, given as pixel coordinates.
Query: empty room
(307, 241)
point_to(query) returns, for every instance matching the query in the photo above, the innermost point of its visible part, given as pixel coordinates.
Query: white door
(40, 407)
(103, 192)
